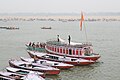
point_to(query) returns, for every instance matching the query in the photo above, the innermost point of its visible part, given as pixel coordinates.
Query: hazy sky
(56, 6)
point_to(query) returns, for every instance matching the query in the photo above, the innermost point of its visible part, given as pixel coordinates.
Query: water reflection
(78, 73)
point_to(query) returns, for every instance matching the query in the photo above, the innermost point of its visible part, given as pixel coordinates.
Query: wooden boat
(46, 28)
(58, 65)
(33, 67)
(33, 76)
(36, 46)
(5, 78)
(14, 76)
(75, 50)
(12, 28)
(10, 76)
(3, 27)
(22, 71)
(9, 28)
(57, 58)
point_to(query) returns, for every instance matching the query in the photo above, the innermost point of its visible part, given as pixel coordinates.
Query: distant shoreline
(63, 18)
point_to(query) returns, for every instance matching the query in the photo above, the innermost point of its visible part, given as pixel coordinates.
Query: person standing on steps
(69, 38)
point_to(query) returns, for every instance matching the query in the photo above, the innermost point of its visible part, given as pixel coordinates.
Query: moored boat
(5, 78)
(12, 28)
(33, 67)
(10, 76)
(72, 49)
(22, 71)
(9, 28)
(33, 76)
(46, 27)
(75, 50)
(69, 60)
(58, 65)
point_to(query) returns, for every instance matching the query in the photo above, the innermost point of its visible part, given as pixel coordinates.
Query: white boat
(58, 65)
(22, 71)
(68, 48)
(5, 78)
(10, 76)
(57, 58)
(34, 67)
(74, 49)
(33, 76)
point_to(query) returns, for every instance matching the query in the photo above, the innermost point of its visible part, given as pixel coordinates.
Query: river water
(105, 37)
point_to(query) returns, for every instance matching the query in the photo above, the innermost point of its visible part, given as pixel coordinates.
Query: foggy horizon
(59, 6)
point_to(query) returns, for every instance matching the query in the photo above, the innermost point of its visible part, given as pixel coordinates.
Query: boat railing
(87, 43)
(56, 43)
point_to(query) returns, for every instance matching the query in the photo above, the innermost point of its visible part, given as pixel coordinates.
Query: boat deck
(56, 43)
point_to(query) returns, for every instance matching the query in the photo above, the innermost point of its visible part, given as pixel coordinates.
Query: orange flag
(82, 19)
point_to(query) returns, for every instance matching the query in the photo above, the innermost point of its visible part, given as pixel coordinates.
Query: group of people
(38, 45)
(69, 39)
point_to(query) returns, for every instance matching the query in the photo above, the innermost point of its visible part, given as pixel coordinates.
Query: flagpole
(83, 21)
(85, 32)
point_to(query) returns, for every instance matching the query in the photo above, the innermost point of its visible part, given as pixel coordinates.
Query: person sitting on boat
(69, 38)
(30, 44)
(37, 45)
(87, 51)
(43, 45)
(33, 45)
(40, 45)
(35, 59)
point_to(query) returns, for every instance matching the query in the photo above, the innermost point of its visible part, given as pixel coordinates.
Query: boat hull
(80, 63)
(93, 58)
(5, 78)
(68, 62)
(10, 76)
(63, 67)
(42, 75)
(59, 67)
(48, 72)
